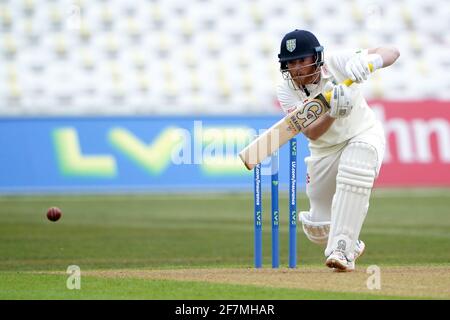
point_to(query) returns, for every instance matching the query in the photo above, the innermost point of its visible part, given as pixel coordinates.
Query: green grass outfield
(182, 233)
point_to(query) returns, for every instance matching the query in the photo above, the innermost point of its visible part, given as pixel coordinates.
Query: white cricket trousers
(322, 172)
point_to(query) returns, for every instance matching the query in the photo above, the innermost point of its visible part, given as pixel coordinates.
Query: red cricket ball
(54, 213)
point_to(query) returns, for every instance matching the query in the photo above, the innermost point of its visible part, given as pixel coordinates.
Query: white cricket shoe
(339, 262)
(360, 247)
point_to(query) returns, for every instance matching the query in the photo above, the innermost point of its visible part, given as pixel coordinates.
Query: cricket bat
(288, 127)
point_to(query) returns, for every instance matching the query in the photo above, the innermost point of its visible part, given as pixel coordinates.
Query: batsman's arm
(319, 127)
(388, 55)
(288, 127)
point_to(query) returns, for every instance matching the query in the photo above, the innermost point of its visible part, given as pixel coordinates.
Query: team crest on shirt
(291, 44)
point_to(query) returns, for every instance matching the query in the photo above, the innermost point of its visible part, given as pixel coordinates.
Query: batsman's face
(304, 71)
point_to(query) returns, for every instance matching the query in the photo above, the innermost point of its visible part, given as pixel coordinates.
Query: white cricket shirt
(360, 119)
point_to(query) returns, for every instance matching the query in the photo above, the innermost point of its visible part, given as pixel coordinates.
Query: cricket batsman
(346, 144)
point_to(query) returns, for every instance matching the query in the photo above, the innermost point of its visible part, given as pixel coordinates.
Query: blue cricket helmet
(299, 44)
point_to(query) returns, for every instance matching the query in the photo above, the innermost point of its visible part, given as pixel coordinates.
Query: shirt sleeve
(288, 101)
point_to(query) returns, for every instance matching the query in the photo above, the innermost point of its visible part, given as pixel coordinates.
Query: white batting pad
(316, 232)
(354, 181)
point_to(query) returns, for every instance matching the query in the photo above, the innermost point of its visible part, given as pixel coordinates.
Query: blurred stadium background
(154, 57)
(89, 90)
(157, 97)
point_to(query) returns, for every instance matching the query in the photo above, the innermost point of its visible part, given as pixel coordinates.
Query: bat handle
(347, 82)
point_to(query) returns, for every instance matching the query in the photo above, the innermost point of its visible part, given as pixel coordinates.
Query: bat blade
(282, 131)
(265, 144)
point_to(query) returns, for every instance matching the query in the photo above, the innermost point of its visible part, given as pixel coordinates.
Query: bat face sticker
(312, 110)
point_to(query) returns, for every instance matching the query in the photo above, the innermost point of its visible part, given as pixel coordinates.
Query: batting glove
(341, 101)
(357, 68)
